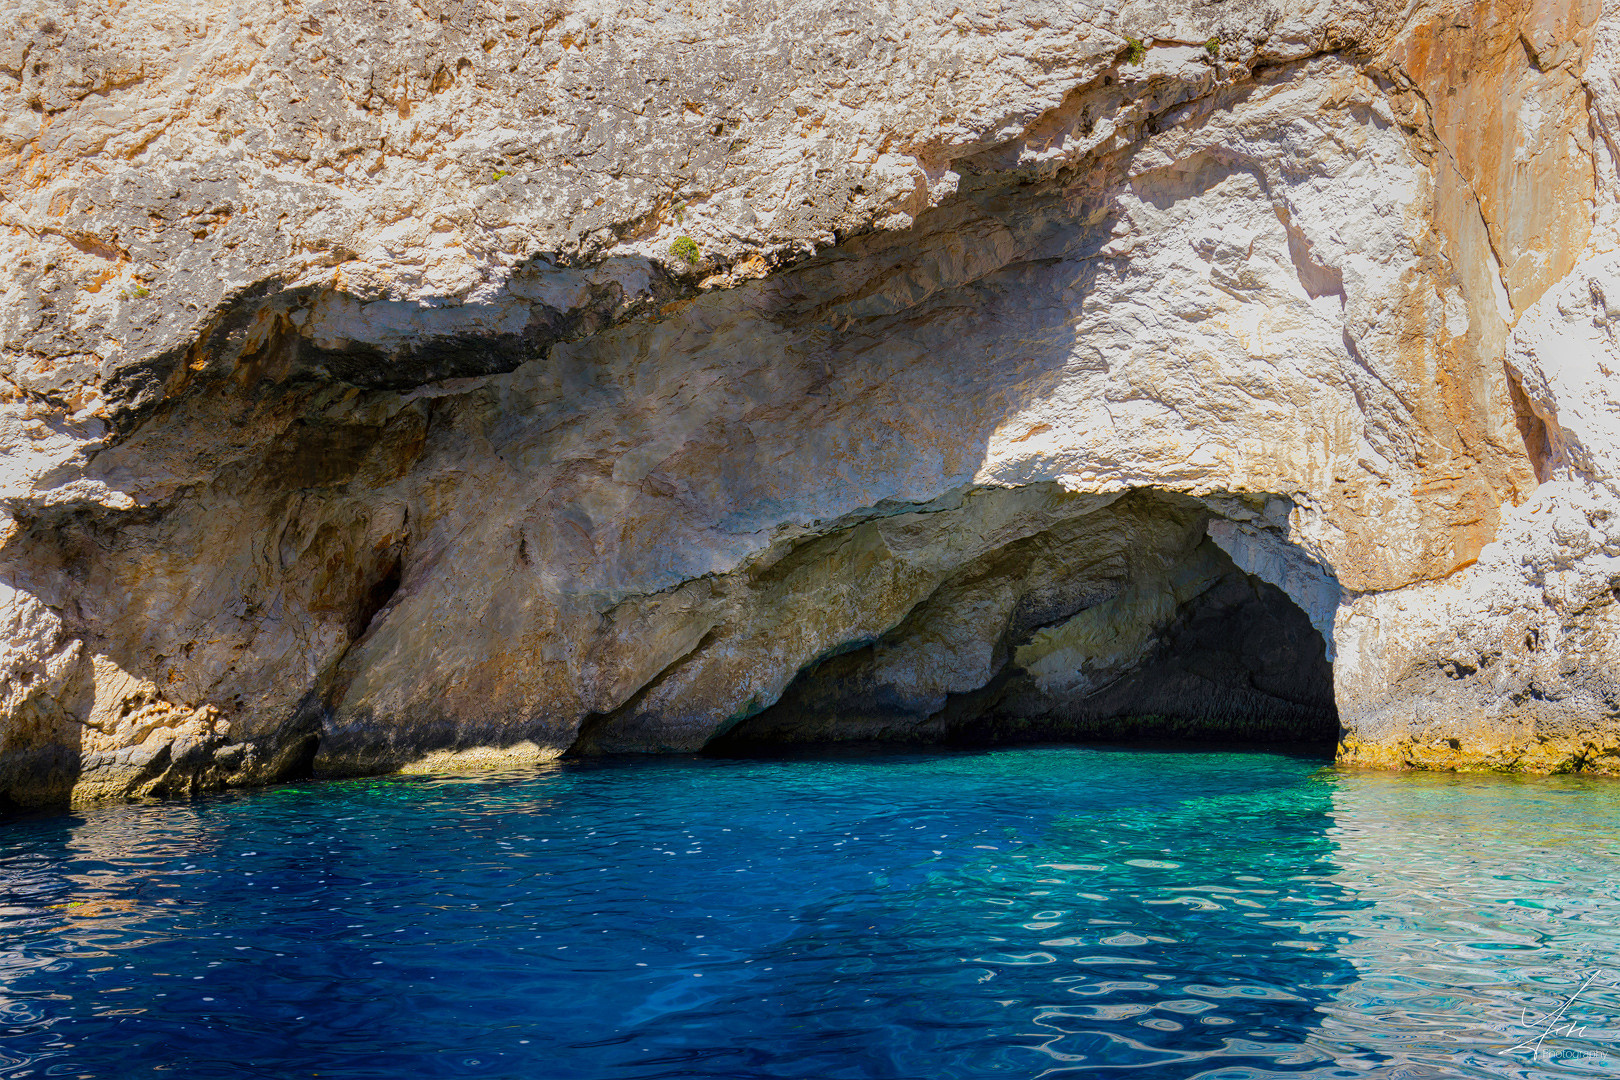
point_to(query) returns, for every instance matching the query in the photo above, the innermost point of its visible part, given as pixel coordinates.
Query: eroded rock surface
(1124, 620)
(1511, 662)
(360, 415)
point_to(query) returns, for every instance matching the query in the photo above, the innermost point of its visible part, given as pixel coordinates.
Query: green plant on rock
(499, 174)
(685, 249)
(1213, 47)
(1135, 50)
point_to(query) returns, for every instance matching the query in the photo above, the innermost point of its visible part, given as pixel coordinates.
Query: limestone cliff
(1034, 368)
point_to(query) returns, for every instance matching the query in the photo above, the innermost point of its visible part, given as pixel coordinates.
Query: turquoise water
(1075, 912)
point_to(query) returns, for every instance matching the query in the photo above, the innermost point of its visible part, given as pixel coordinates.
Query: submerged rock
(1026, 383)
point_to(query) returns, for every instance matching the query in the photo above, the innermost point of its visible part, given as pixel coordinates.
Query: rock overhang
(446, 472)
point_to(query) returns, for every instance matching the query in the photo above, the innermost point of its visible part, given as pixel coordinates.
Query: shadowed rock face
(361, 417)
(1128, 622)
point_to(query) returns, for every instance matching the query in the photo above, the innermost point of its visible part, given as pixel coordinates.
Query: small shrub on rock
(685, 249)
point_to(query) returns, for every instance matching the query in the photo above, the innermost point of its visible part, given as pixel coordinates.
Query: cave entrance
(1130, 624)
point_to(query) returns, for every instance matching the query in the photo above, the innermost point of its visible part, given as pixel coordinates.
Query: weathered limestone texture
(1511, 663)
(361, 414)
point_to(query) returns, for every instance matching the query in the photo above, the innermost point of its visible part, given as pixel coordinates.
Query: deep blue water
(1076, 912)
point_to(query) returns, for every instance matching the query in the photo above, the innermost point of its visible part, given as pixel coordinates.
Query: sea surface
(1039, 912)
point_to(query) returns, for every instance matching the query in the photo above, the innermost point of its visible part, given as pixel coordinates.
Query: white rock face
(362, 413)
(1508, 662)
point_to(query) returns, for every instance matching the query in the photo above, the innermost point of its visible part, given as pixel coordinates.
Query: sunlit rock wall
(359, 415)
(1510, 662)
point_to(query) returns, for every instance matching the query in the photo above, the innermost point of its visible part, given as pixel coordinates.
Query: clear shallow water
(1070, 912)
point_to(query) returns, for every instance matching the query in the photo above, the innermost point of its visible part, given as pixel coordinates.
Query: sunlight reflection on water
(1057, 911)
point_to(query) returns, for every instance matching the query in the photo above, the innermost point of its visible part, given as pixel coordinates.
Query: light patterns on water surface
(1052, 911)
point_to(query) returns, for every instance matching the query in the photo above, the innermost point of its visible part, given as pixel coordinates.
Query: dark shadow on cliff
(1210, 654)
(43, 742)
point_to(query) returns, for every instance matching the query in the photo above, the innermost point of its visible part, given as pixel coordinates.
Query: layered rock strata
(1050, 369)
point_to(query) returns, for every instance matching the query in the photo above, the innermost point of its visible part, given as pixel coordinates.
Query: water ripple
(1063, 912)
